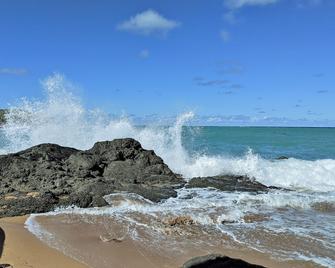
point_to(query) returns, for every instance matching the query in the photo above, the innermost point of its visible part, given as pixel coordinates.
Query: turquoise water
(268, 142)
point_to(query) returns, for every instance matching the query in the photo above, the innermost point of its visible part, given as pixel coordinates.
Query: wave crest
(61, 118)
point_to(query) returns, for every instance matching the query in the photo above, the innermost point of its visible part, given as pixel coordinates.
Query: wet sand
(92, 245)
(21, 249)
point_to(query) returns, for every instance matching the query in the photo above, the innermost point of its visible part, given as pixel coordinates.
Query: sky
(244, 60)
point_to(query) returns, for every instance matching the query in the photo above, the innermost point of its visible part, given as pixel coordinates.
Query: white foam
(209, 208)
(293, 173)
(61, 118)
(35, 228)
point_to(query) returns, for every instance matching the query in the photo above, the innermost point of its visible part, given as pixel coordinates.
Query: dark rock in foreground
(228, 183)
(218, 261)
(48, 176)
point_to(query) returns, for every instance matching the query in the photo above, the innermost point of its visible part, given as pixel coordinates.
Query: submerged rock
(251, 218)
(283, 157)
(324, 207)
(48, 175)
(179, 220)
(218, 261)
(228, 183)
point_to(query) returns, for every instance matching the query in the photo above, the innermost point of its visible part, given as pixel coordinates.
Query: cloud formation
(225, 35)
(236, 86)
(235, 4)
(144, 54)
(13, 71)
(230, 67)
(148, 22)
(207, 83)
(230, 17)
(309, 3)
(322, 91)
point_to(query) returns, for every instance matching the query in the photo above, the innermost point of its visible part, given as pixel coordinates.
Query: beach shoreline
(22, 249)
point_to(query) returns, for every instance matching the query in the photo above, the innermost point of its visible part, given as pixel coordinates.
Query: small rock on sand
(180, 220)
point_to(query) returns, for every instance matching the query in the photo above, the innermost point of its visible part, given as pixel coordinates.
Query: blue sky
(263, 59)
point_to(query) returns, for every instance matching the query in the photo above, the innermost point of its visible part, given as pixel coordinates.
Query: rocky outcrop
(2, 116)
(228, 183)
(218, 261)
(48, 176)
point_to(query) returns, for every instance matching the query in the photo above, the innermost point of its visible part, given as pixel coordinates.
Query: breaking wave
(62, 119)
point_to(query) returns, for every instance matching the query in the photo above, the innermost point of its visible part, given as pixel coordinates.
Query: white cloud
(144, 54)
(230, 17)
(235, 4)
(13, 71)
(315, 2)
(148, 22)
(225, 35)
(309, 3)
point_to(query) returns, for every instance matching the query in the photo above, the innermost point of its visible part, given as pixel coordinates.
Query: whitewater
(60, 118)
(293, 215)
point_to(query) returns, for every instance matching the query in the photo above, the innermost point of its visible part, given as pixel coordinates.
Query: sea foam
(61, 118)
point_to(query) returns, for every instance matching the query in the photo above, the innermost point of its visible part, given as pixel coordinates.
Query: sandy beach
(121, 251)
(22, 249)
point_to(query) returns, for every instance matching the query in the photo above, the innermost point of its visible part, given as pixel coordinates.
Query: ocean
(296, 224)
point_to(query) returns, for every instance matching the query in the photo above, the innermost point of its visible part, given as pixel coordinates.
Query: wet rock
(106, 239)
(180, 220)
(325, 207)
(22, 204)
(218, 261)
(6, 265)
(251, 218)
(228, 222)
(228, 183)
(282, 157)
(48, 175)
(3, 118)
(154, 193)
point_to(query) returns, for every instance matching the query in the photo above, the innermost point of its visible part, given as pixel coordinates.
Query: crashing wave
(61, 118)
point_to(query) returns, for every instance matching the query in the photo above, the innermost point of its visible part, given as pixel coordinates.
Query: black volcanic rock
(218, 261)
(282, 157)
(228, 183)
(2, 116)
(48, 175)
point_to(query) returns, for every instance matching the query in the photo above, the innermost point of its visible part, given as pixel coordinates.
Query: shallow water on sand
(197, 222)
(96, 241)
